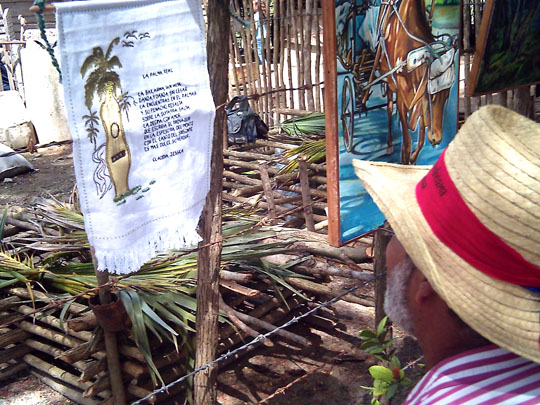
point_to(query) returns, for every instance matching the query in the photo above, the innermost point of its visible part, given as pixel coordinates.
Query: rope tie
(41, 26)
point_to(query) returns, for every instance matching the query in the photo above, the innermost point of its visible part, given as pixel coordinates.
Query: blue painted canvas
(397, 73)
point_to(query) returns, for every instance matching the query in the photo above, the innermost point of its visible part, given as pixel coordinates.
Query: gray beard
(395, 299)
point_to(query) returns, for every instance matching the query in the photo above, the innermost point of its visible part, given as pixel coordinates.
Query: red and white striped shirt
(488, 375)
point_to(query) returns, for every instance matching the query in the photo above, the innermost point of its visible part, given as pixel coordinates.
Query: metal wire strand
(256, 340)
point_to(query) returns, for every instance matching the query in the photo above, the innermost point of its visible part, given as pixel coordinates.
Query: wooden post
(267, 187)
(306, 196)
(380, 241)
(332, 128)
(523, 101)
(209, 258)
(111, 344)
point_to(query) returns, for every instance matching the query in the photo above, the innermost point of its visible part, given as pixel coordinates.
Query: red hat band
(456, 226)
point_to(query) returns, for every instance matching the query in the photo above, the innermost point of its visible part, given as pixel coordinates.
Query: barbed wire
(114, 282)
(256, 96)
(258, 339)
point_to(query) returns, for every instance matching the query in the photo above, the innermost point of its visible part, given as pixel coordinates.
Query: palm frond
(114, 42)
(160, 299)
(90, 87)
(3, 222)
(307, 125)
(313, 151)
(113, 62)
(90, 61)
(132, 303)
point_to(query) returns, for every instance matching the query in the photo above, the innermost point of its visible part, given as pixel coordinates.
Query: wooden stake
(54, 371)
(380, 242)
(49, 333)
(209, 259)
(111, 344)
(11, 370)
(306, 197)
(267, 187)
(259, 323)
(14, 353)
(319, 289)
(74, 308)
(234, 317)
(240, 289)
(8, 302)
(54, 352)
(13, 336)
(85, 322)
(82, 351)
(55, 322)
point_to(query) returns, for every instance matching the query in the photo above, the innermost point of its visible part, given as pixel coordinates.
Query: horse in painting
(419, 70)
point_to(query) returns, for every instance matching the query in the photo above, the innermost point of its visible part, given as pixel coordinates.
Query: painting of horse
(426, 72)
(397, 89)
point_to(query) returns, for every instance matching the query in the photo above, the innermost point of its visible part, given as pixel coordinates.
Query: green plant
(306, 126)
(389, 375)
(3, 223)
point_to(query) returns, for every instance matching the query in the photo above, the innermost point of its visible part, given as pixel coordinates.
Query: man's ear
(423, 291)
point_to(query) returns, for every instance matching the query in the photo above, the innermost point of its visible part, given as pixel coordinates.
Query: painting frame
(351, 212)
(485, 37)
(331, 123)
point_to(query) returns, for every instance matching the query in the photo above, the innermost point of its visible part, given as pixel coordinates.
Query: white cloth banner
(141, 115)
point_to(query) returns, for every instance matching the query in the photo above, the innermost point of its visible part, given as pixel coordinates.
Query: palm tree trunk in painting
(117, 153)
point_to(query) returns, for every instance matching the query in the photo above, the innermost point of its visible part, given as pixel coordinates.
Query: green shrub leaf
(381, 373)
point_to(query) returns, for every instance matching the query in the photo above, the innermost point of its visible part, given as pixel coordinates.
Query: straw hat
(471, 224)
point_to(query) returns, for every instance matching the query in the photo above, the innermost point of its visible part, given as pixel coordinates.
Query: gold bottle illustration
(117, 153)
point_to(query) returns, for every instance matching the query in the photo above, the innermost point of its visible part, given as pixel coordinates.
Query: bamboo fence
(71, 358)
(290, 66)
(287, 56)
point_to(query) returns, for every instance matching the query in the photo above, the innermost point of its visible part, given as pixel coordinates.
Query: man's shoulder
(474, 376)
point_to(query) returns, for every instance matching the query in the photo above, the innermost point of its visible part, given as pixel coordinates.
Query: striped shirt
(487, 375)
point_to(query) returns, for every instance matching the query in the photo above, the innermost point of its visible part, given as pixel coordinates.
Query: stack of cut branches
(46, 276)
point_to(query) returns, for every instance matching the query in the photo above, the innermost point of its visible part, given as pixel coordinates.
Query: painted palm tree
(104, 82)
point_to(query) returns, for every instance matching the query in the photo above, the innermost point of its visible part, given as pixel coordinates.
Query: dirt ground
(28, 390)
(53, 175)
(330, 372)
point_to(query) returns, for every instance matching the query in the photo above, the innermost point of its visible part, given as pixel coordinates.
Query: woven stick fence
(252, 180)
(277, 48)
